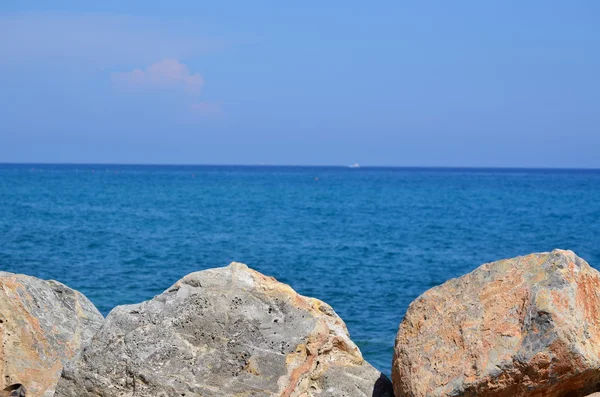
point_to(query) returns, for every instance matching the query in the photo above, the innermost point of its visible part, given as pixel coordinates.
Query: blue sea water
(367, 241)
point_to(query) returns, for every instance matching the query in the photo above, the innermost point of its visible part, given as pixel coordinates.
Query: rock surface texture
(223, 332)
(527, 326)
(42, 325)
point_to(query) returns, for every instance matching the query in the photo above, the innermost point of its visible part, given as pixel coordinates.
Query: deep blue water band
(367, 241)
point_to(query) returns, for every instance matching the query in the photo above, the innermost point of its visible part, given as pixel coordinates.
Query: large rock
(42, 325)
(223, 332)
(528, 326)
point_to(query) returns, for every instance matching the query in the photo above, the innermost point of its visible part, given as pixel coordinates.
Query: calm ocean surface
(367, 241)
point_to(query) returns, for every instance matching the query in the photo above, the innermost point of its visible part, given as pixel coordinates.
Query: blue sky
(427, 83)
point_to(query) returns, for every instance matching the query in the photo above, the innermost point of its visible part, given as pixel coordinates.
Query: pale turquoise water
(367, 241)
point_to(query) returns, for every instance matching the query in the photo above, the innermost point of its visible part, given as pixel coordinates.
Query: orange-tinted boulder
(527, 326)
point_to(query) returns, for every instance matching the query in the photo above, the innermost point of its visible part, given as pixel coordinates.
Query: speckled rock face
(223, 332)
(42, 325)
(528, 326)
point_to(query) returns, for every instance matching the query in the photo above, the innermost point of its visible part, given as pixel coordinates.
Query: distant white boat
(355, 165)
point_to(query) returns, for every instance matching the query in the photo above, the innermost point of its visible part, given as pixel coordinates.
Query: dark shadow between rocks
(383, 387)
(16, 390)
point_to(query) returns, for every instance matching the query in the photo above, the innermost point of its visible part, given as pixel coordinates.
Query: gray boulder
(42, 325)
(223, 332)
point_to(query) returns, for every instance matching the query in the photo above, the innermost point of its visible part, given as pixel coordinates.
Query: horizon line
(465, 167)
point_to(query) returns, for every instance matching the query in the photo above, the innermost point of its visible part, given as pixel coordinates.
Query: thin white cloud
(102, 43)
(97, 40)
(168, 73)
(213, 109)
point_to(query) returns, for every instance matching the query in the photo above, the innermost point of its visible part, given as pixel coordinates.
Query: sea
(367, 241)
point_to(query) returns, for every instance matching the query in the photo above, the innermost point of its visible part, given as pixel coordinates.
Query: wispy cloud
(213, 109)
(142, 54)
(168, 73)
(98, 40)
(173, 76)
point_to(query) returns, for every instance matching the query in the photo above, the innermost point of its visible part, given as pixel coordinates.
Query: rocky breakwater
(42, 325)
(223, 332)
(528, 326)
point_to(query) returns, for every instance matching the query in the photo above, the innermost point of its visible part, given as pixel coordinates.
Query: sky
(386, 83)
